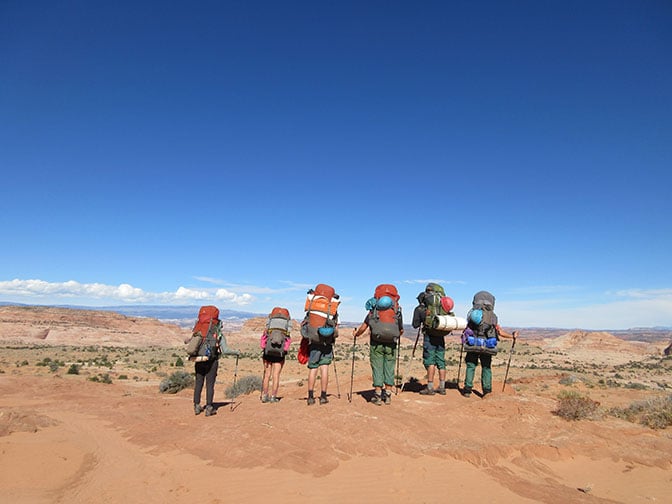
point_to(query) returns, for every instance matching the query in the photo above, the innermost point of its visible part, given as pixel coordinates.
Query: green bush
(73, 369)
(101, 378)
(653, 413)
(177, 381)
(573, 406)
(245, 385)
(179, 362)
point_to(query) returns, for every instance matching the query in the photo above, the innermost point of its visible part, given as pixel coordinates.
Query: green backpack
(431, 298)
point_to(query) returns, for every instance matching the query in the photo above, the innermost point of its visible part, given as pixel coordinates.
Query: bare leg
(277, 367)
(324, 372)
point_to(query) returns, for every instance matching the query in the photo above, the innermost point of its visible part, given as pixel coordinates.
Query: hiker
(206, 362)
(320, 328)
(433, 303)
(275, 342)
(480, 341)
(385, 322)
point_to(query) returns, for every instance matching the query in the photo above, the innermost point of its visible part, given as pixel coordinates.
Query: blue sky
(238, 153)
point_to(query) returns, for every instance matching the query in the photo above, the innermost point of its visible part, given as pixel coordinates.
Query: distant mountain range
(160, 312)
(185, 315)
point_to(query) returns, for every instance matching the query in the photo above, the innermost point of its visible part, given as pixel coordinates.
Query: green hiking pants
(382, 357)
(472, 359)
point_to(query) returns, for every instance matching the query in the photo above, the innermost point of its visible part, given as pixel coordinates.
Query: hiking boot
(486, 392)
(197, 409)
(377, 399)
(441, 390)
(264, 398)
(311, 400)
(273, 399)
(427, 391)
(387, 398)
(210, 410)
(466, 392)
(323, 400)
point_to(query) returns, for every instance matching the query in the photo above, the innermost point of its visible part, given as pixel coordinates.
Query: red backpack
(384, 317)
(206, 328)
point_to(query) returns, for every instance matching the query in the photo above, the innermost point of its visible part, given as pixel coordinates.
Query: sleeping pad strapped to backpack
(437, 304)
(384, 314)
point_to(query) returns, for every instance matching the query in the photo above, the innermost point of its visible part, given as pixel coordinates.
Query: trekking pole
(459, 366)
(235, 376)
(397, 379)
(352, 371)
(410, 362)
(509, 364)
(338, 389)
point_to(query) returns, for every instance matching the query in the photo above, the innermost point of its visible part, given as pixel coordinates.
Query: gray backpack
(277, 331)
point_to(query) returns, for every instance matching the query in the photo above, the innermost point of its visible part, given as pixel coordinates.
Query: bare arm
(360, 330)
(509, 335)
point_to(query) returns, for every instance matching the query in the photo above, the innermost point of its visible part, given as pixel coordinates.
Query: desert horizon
(105, 433)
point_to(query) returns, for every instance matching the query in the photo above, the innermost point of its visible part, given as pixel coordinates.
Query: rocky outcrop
(65, 326)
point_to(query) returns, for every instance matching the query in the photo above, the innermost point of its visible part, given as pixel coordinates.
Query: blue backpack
(481, 335)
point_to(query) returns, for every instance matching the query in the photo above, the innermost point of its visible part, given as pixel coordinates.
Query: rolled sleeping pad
(449, 323)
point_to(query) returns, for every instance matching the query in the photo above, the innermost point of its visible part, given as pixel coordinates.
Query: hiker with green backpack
(480, 339)
(384, 320)
(435, 316)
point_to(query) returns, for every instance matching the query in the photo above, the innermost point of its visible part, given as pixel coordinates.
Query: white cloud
(434, 280)
(72, 291)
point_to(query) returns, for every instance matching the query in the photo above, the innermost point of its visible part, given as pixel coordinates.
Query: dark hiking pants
(205, 372)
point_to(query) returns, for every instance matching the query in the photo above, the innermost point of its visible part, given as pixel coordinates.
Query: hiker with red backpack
(479, 339)
(320, 328)
(434, 314)
(275, 342)
(207, 348)
(384, 320)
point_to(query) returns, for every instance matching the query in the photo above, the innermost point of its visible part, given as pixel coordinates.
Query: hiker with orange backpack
(207, 337)
(385, 322)
(275, 342)
(480, 341)
(320, 328)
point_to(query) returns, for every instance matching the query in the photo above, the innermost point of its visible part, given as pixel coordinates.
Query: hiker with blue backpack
(384, 320)
(275, 342)
(480, 340)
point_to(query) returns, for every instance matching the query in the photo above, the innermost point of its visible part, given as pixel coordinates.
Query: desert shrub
(245, 385)
(177, 381)
(653, 413)
(574, 406)
(179, 362)
(123, 377)
(567, 379)
(636, 386)
(101, 378)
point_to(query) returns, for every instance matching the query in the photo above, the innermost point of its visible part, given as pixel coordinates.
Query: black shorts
(274, 358)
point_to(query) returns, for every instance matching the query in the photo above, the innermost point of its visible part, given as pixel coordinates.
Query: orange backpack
(204, 341)
(384, 317)
(321, 306)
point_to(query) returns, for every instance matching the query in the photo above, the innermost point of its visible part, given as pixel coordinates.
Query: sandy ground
(64, 439)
